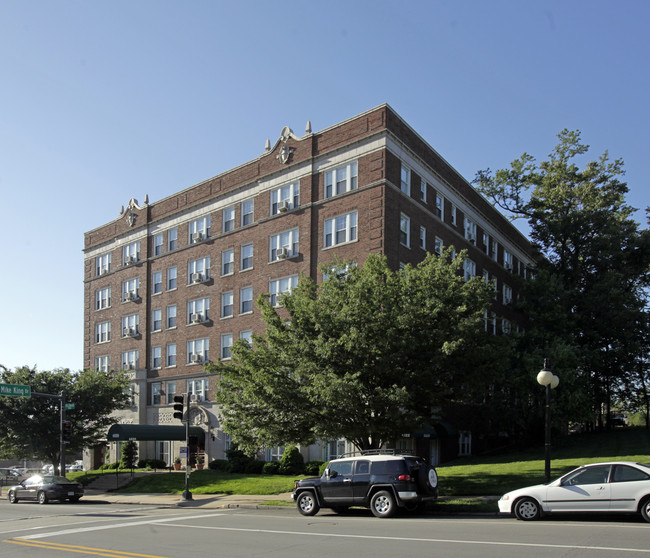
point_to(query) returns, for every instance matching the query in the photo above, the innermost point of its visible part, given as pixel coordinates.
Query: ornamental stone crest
(285, 154)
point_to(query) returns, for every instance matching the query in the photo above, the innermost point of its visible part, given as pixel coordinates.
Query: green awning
(149, 432)
(439, 430)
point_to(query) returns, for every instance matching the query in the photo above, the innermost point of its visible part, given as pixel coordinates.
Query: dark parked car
(382, 483)
(45, 488)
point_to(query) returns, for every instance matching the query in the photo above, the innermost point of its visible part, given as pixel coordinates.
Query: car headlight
(505, 497)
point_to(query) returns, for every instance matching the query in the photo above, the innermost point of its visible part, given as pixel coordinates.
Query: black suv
(381, 482)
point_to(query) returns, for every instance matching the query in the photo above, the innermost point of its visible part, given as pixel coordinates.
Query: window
(228, 262)
(341, 179)
(171, 355)
(156, 359)
(283, 245)
(198, 310)
(157, 282)
(341, 229)
(507, 294)
(440, 206)
(470, 230)
(130, 360)
(507, 260)
(281, 286)
(198, 350)
(102, 264)
(506, 326)
(247, 208)
(103, 363)
(246, 256)
(227, 305)
(131, 253)
(131, 290)
(423, 238)
(198, 271)
(453, 215)
(156, 392)
(198, 388)
(486, 243)
(405, 180)
(172, 239)
(245, 300)
(228, 219)
(494, 249)
(103, 332)
(171, 316)
(130, 325)
(102, 298)
(438, 245)
(158, 243)
(172, 278)
(226, 346)
(198, 230)
(588, 475)
(423, 191)
(156, 319)
(405, 230)
(624, 473)
(285, 198)
(170, 391)
(469, 269)
(247, 335)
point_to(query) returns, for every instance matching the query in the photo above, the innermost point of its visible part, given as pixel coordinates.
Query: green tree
(586, 295)
(129, 454)
(366, 356)
(30, 426)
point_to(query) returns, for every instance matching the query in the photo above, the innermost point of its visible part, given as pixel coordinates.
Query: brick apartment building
(171, 284)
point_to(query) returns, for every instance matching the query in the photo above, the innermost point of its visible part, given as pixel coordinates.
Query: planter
(177, 466)
(199, 466)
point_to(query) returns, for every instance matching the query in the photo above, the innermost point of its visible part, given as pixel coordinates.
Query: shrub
(254, 467)
(219, 465)
(271, 468)
(237, 459)
(292, 461)
(129, 454)
(313, 468)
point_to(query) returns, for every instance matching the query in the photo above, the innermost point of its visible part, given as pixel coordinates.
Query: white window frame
(200, 306)
(229, 219)
(198, 230)
(130, 323)
(158, 243)
(405, 179)
(171, 317)
(506, 294)
(245, 257)
(226, 346)
(170, 355)
(438, 245)
(130, 289)
(289, 240)
(246, 300)
(103, 363)
(198, 388)
(341, 179)
(156, 319)
(346, 224)
(130, 359)
(289, 193)
(227, 262)
(199, 347)
(131, 253)
(156, 357)
(423, 190)
(172, 239)
(405, 230)
(423, 237)
(247, 212)
(440, 206)
(170, 391)
(200, 265)
(102, 332)
(172, 278)
(227, 304)
(508, 260)
(280, 286)
(470, 230)
(103, 298)
(103, 264)
(469, 269)
(454, 218)
(156, 282)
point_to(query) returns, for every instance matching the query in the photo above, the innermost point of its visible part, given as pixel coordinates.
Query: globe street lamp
(550, 381)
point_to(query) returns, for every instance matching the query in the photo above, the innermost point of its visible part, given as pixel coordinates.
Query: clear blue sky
(104, 101)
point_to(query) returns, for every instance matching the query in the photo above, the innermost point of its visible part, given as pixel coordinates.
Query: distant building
(171, 284)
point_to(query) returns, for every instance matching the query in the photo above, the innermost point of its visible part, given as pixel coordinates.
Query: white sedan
(617, 487)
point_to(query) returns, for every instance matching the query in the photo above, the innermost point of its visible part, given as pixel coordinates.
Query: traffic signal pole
(180, 402)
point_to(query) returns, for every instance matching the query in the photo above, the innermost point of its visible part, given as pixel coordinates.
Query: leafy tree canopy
(364, 356)
(30, 426)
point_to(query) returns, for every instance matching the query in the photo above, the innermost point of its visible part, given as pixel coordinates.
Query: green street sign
(69, 406)
(15, 390)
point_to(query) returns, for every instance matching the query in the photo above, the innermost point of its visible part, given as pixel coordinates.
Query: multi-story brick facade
(172, 283)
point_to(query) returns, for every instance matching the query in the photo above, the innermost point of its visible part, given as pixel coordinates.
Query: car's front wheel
(382, 504)
(42, 497)
(12, 497)
(307, 503)
(527, 509)
(645, 509)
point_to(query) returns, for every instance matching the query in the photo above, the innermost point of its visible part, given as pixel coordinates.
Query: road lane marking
(416, 539)
(81, 549)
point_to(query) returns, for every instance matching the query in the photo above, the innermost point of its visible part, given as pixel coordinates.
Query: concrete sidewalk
(214, 501)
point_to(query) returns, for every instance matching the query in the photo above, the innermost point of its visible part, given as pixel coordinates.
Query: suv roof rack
(385, 451)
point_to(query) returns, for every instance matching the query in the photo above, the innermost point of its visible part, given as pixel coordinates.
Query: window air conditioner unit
(129, 332)
(103, 271)
(196, 359)
(194, 398)
(197, 277)
(283, 253)
(283, 206)
(197, 237)
(508, 266)
(129, 260)
(196, 318)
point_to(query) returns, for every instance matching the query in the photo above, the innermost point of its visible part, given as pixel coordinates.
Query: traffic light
(66, 430)
(178, 407)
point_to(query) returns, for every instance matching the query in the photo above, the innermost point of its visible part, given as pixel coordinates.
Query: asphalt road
(129, 531)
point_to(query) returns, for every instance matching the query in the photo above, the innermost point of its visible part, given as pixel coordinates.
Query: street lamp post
(550, 381)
